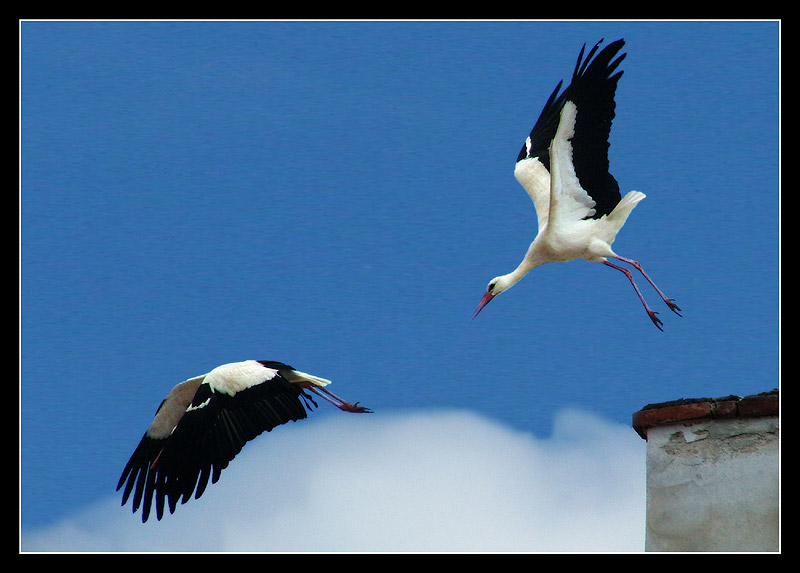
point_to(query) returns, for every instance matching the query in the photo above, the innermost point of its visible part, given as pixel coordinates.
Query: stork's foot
(657, 321)
(354, 408)
(672, 306)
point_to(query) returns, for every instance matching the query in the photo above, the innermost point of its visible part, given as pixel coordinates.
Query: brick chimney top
(763, 404)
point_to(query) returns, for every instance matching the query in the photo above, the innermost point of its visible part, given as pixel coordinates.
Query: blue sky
(336, 196)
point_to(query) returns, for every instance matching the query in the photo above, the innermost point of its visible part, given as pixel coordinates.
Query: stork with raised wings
(204, 422)
(564, 168)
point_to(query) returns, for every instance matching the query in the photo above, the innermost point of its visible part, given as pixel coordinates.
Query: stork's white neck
(533, 258)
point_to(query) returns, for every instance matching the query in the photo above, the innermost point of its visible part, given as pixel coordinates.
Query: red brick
(726, 409)
(759, 405)
(644, 419)
(765, 404)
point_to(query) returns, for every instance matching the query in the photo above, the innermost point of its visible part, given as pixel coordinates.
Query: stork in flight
(564, 168)
(204, 422)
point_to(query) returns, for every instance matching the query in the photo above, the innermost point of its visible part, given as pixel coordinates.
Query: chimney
(712, 473)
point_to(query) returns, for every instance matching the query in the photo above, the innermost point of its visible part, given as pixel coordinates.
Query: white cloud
(429, 481)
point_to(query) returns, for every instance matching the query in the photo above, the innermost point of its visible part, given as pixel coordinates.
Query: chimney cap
(755, 405)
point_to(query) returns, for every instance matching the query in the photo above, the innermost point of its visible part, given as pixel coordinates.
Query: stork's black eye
(491, 287)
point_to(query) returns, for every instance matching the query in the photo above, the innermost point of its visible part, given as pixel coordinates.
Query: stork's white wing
(173, 407)
(568, 200)
(535, 179)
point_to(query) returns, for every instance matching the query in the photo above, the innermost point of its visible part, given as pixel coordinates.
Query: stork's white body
(236, 376)
(566, 229)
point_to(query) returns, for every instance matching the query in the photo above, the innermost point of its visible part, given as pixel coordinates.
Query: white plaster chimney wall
(712, 485)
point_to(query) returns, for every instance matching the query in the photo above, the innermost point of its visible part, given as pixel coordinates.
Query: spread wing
(592, 92)
(197, 431)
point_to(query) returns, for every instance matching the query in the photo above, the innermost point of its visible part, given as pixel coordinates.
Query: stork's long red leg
(338, 402)
(652, 314)
(313, 388)
(670, 302)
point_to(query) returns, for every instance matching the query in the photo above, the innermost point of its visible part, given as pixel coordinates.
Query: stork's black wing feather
(592, 91)
(544, 130)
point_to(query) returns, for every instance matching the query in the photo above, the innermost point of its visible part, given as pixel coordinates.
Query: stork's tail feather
(315, 380)
(625, 206)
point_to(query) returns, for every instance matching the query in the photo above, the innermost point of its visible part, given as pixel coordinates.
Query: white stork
(564, 168)
(204, 422)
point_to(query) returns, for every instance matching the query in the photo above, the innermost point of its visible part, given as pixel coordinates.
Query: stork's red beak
(484, 301)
